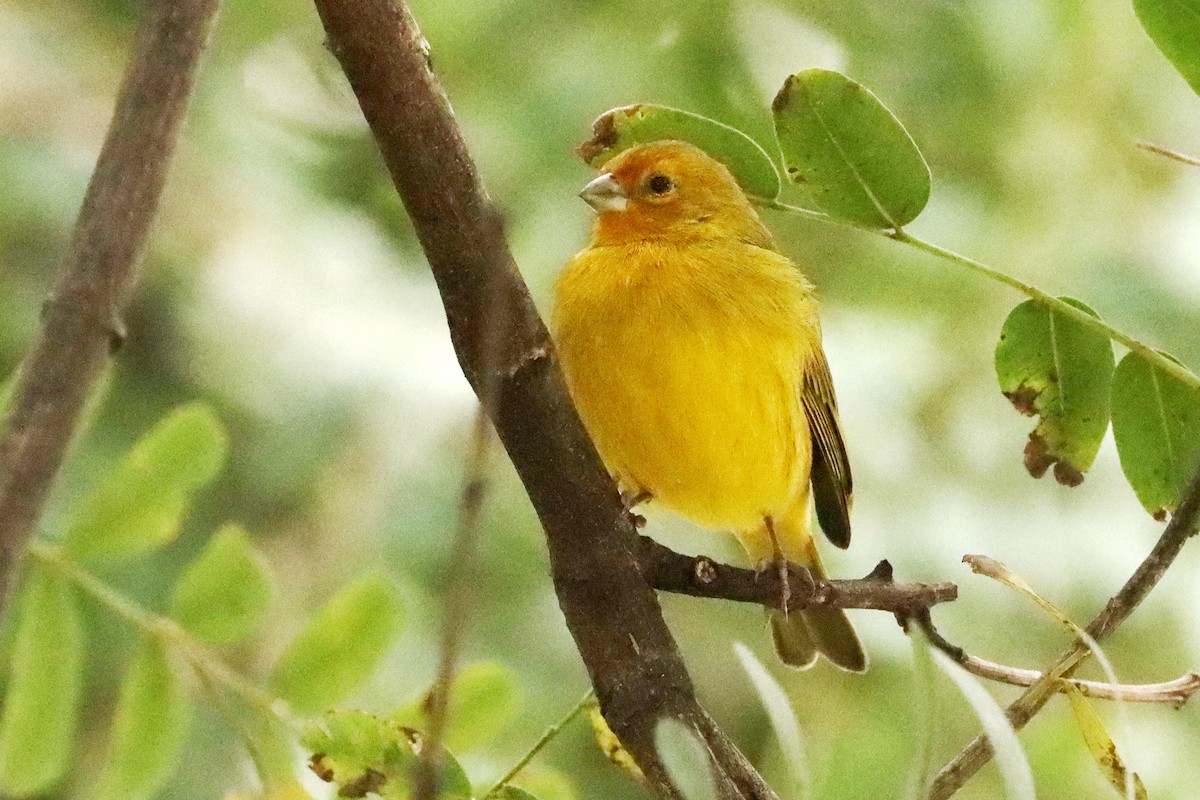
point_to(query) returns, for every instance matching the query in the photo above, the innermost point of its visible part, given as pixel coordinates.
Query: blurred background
(283, 284)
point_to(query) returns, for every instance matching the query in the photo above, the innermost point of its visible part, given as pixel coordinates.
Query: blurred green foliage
(284, 286)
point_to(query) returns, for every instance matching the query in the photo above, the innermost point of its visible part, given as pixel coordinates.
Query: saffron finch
(692, 349)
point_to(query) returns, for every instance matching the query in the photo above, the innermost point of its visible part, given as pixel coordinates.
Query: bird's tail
(800, 635)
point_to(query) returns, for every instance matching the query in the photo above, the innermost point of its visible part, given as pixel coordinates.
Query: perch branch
(1182, 526)
(1174, 692)
(612, 613)
(700, 576)
(82, 319)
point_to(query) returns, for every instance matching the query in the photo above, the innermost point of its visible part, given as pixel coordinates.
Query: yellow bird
(692, 350)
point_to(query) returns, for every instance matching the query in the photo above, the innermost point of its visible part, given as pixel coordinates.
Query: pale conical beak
(605, 194)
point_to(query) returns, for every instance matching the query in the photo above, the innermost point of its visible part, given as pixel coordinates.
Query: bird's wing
(831, 482)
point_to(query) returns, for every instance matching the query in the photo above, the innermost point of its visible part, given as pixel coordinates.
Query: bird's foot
(780, 563)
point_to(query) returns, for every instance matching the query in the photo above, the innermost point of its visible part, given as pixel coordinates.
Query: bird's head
(669, 190)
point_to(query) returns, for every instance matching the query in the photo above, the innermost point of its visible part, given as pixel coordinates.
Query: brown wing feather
(831, 482)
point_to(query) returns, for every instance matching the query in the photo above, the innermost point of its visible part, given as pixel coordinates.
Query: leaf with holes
(1156, 424)
(151, 725)
(1174, 27)
(849, 152)
(340, 646)
(1050, 365)
(622, 128)
(42, 699)
(141, 502)
(224, 593)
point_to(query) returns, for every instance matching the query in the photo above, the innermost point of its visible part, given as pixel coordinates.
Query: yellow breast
(685, 365)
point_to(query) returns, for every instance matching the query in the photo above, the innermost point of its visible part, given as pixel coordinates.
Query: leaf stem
(1147, 353)
(545, 739)
(166, 630)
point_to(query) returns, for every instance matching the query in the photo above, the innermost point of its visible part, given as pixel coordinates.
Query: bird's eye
(659, 184)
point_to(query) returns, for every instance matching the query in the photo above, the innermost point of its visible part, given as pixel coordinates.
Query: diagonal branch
(610, 610)
(82, 319)
(1182, 527)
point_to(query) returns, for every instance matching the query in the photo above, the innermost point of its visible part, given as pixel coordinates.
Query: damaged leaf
(851, 154)
(364, 754)
(1156, 424)
(622, 128)
(1101, 746)
(1050, 365)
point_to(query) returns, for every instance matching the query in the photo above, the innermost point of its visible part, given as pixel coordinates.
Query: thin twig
(542, 741)
(82, 320)
(1174, 155)
(166, 630)
(458, 597)
(1143, 350)
(1174, 692)
(1181, 527)
(700, 576)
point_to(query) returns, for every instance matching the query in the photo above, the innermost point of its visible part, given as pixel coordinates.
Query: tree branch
(82, 319)
(700, 576)
(1181, 527)
(1174, 692)
(611, 612)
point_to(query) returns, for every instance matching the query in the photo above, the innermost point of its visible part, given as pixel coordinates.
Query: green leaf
(1156, 424)
(622, 128)
(783, 720)
(139, 505)
(224, 593)
(1174, 26)
(685, 758)
(850, 153)
(483, 700)
(1051, 365)
(44, 688)
(340, 646)
(547, 783)
(149, 731)
(362, 753)
(1101, 746)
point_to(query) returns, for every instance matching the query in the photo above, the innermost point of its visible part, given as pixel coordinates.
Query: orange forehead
(675, 159)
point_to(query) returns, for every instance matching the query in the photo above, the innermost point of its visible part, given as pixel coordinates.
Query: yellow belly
(690, 390)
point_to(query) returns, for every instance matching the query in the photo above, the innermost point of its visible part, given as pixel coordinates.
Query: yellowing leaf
(1051, 365)
(151, 725)
(622, 128)
(340, 646)
(610, 745)
(224, 593)
(1156, 424)
(41, 705)
(849, 152)
(1100, 744)
(141, 502)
